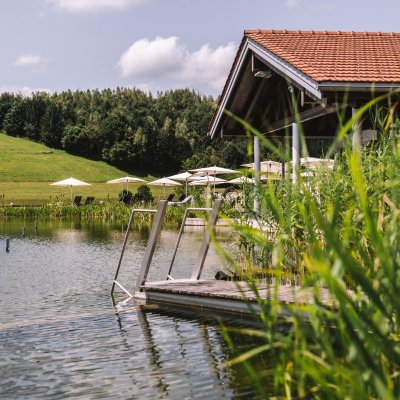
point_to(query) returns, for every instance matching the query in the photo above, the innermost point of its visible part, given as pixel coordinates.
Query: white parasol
(269, 166)
(214, 170)
(242, 180)
(203, 181)
(184, 176)
(127, 180)
(70, 182)
(164, 182)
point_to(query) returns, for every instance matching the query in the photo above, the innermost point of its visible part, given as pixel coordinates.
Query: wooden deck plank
(215, 293)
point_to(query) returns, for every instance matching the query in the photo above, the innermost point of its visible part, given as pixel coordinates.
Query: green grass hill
(27, 168)
(22, 160)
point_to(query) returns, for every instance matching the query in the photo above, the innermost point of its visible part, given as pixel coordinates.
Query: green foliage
(341, 231)
(105, 211)
(124, 127)
(14, 120)
(123, 194)
(143, 195)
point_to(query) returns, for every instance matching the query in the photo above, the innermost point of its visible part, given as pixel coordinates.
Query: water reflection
(187, 352)
(59, 336)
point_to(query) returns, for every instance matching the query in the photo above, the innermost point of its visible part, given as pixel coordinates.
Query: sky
(155, 45)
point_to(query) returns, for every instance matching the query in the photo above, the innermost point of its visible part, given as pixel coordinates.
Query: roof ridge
(313, 32)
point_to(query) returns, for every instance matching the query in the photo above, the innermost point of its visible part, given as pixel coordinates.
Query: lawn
(22, 160)
(43, 192)
(27, 168)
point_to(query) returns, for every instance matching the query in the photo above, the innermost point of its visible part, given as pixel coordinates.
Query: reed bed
(339, 230)
(109, 211)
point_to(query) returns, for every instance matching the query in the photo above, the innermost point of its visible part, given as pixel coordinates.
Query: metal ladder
(204, 245)
(151, 244)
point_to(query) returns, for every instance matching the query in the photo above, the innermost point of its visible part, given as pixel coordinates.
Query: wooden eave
(265, 103)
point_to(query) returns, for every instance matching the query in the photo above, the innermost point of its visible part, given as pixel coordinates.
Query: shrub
(143, 194)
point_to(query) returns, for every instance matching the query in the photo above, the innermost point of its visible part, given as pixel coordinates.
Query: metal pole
(357, 128)
(257, 168)
(128, 229)
(123, 250)
(206, 241)
(180, 235)
(295, 152)
(151, 244)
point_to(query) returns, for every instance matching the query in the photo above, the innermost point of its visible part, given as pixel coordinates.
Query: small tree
(123, 194)
(143, 194)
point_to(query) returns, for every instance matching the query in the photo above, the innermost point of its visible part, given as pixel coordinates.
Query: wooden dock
(230, 296)
(219, 295)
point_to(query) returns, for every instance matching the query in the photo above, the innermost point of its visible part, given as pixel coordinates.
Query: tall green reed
(105, 211)
(338, 230)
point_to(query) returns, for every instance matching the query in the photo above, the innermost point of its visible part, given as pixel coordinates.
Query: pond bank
(105, 211)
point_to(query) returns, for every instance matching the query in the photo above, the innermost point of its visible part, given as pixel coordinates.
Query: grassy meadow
(27, 168)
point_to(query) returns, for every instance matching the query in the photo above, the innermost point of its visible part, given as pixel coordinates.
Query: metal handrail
(131, 218)
(180, 235)
(206, 240)
(151, 244)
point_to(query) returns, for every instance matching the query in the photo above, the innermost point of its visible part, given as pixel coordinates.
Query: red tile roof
(336, 56)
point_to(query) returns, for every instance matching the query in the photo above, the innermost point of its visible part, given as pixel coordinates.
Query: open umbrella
(269, 166)
(214, 170)
(203, 181)
(164, 182)
(207, 181)
(315, 163)
(127, 180)
(242, 180)
(184, 176)
(70, 182)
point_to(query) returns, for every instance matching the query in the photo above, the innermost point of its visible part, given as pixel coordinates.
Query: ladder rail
(180, 235)
(128, 229)
(201, 257)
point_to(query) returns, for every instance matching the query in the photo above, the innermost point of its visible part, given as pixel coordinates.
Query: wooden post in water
(7, 245)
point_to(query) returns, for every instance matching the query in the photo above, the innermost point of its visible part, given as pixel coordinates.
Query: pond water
(61, 338)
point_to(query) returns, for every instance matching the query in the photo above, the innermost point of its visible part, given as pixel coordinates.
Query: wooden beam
(304, 116)
(240, 133)
(255, 99)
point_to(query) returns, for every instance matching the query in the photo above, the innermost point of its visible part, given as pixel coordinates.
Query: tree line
(125, 127)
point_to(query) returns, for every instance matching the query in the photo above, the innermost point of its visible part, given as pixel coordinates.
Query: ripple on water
(60, 338)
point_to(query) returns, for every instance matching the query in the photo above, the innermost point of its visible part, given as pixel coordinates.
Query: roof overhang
(370, 87)
(275, 63)
(319, 92)
(283, 68)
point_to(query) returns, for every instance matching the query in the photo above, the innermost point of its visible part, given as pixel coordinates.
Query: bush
(123, 194)
(143, 194)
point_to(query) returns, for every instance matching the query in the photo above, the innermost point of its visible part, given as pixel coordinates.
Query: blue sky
(155, 45)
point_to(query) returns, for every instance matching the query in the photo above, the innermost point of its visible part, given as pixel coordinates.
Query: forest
(125, 127)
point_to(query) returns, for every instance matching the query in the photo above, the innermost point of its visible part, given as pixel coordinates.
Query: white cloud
(28, 60)
(165, 59)
(24, 91)
(82, 6)
(292, 3)
(150, 58)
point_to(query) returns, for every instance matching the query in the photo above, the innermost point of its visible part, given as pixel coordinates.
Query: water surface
(61, 338)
